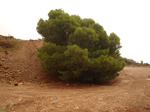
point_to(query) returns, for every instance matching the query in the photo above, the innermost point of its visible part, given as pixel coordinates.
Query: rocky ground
(25, 87)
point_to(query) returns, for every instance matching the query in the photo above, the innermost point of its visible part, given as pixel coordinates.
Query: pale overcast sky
(129, 19)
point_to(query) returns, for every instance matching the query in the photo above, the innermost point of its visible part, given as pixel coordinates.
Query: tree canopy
(78, 49)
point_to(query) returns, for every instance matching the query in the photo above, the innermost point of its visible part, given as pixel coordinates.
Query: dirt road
(130, 92)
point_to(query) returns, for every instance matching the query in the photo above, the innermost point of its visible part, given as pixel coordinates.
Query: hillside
(22, 65)
(25, 87)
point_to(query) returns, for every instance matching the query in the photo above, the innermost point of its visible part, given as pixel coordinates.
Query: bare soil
(25, 87)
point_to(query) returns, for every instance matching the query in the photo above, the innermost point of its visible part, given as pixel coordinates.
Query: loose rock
(16, 84)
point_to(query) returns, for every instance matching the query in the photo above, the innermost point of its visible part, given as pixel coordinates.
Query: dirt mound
(22, 65)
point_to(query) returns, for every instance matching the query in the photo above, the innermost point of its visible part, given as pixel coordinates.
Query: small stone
(55, 98)
(5, 67)
(20, 83)
(147, 107)
(76, 107)
(67, 84)
(19, 70)
(148, 79)
(3, 59)
(15, 84)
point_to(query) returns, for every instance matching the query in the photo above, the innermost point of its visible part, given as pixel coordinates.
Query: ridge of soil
(23, 65)
(35, 92)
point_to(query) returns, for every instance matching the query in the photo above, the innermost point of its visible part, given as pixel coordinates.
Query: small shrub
(78, 49)
(146, 64)
(71, 63)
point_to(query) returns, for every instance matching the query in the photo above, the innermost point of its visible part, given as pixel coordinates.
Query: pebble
(19, 70)
(147, 107)
(15, 84)
(148, 79)
(5, 67)
(55, 98)
(76, 107)
(21, 83)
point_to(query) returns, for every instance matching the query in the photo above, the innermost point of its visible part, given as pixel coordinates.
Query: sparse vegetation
(133, 62)
(2, 110)
(129, 61)
(146, 64)
(8, 105)
(78, 49)
(10, 44)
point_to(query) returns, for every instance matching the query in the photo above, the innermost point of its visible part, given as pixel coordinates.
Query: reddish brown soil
(130, 92)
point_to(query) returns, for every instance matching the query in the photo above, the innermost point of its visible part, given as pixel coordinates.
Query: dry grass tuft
(9, 44)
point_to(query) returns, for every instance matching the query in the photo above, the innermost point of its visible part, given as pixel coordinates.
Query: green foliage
(77, 18)
(133, 62)
(141, 62)
(129, 61)
(114, 43)
(52, 57)
(84, 37)
(97, 53)
(78, 49)
(58, 27)
(102, 35)
(146, 64)
(101, 69)
(76, 60)
(87, 22)
(73, 63)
